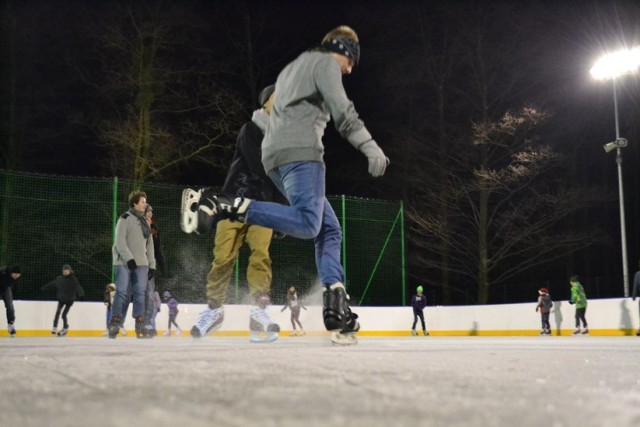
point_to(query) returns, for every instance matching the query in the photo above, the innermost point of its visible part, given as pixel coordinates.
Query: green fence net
(48, 221)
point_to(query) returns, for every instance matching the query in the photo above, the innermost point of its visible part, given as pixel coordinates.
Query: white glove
(377, 160)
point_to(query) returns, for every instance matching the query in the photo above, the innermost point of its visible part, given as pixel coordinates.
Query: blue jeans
(309, 216)
(137, 281)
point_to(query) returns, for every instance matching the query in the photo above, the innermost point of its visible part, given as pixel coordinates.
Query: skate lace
(208, 317)
(261, 316)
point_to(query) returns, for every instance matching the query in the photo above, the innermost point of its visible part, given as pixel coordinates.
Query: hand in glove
(377, 160)
(152, 273)
(132, 264)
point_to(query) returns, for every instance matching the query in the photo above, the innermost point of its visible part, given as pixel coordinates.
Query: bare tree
(509, 207)
(167, 103)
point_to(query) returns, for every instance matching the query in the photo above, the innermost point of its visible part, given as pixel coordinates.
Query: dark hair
(575, 278)
(135, 196)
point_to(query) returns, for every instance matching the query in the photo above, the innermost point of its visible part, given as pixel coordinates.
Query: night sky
(428, 69)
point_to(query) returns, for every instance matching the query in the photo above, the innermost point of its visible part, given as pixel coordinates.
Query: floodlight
(618, 143)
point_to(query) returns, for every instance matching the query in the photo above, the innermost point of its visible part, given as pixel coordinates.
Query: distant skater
(294, 305)
(419, 302)
(172, 305)
(544, 306)
(579, 298)
(68, 289)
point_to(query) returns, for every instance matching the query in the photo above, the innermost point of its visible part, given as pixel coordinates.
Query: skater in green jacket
(579, 298)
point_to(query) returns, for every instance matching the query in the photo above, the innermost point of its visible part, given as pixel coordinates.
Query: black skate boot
(141, 331)
(114, 327)
(197, 211)
(231, 208)
(338, 317)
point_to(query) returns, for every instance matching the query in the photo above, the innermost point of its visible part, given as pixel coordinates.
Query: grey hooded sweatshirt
(308, 94)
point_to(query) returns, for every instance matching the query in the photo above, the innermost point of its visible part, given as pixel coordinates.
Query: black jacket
(157, 247)
(246, 176)
(6, 281)
(67, 288)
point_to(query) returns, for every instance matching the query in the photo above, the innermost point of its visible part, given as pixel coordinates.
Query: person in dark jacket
(419, 302)
(246, 178)
(68, 289)
(544, 306)
(109, 295)
(9, 277)
(150, 310)
(636, 291)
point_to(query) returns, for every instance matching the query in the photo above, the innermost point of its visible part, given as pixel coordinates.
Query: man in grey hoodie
(309, 92)
(134, 262)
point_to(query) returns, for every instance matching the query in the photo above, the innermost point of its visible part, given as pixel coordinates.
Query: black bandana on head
(344, 46)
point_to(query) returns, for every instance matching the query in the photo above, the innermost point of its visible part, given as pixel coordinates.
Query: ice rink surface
(305, 381)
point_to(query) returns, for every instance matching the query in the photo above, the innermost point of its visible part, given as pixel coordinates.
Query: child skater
(544, 305)
(294, 305)
(109, 294)
(418, 302)
(172, 304)
(67, 291)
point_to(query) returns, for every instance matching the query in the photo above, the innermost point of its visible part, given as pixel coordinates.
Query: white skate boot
(209, 321)
(263, 330)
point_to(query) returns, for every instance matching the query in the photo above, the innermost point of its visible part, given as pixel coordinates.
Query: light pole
(610, 67)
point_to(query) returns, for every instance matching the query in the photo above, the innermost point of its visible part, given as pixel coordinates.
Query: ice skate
(263, 330)
(54, 331)
(114, 327)
(197, 211)
(209, 321)
(576, 331)
(179, 332)
(141, 332)
(12, 330)
(413, 332)
(543, 331)
(302, 333)
(425, 333)
(167, 333)
(343, 338)
(585, 331)
(338, 317)
(62, 332)
(123, 331)
(293, 334)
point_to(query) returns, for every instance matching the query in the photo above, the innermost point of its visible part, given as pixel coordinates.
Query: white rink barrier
(615, 316)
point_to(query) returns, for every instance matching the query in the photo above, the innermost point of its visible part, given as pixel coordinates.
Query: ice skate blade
(343, 338)
(263, 337)
(189, 210)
